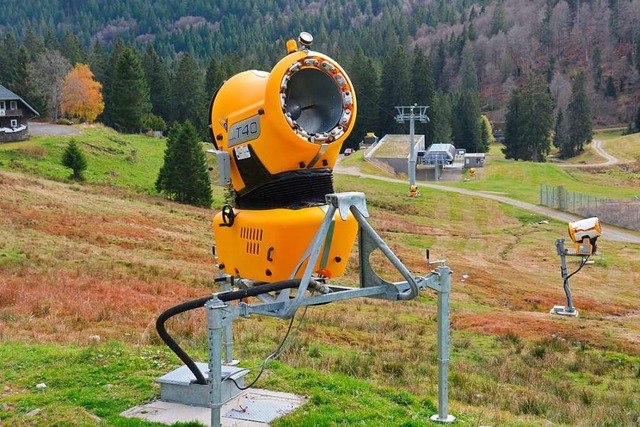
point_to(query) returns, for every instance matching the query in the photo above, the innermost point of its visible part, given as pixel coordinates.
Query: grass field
(114, 159)
(85, 270)
(522, 180)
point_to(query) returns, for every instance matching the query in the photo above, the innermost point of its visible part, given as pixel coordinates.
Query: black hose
(200, 302)
(170, 342)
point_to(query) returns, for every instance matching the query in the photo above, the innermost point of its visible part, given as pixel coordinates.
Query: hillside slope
(507, 39)
(78, 260)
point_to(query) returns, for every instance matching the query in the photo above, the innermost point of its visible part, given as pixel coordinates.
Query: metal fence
(621, 212)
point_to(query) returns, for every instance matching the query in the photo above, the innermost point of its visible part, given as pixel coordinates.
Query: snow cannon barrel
(283, 130)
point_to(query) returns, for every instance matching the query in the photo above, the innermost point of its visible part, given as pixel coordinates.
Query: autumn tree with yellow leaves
(81, 94)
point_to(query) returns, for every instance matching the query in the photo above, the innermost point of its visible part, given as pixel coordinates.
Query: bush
(153, 122)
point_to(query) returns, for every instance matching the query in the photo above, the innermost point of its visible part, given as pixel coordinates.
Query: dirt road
(612, 233)
(596, 145)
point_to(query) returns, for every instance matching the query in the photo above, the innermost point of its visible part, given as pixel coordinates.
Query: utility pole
(411, 113)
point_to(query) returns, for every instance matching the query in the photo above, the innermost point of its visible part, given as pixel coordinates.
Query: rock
(41, 386)
(34, 412)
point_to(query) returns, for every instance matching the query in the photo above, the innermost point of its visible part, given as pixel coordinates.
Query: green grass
(114, 159)
(85, 386)
(370, 363)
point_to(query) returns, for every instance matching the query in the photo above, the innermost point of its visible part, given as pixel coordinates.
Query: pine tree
(364, 78)
(610, 88)
(74, 159)
(187, 92)
(98, 62)
(529, 120)
(33, 43)
(440, 115)
(214, 77)
(71, 49)
(579, 114)
(561, 137)
(129, 93)
(637, 123)
(465, 122)
(8, 67)
(159, 84)
(422, 90)
(184, 176)
(394, 91)
(468, 70)
(498, 20)
(107, 83)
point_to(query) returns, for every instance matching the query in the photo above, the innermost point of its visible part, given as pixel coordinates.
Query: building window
(13, 105)
(14, 123)
(2, 105)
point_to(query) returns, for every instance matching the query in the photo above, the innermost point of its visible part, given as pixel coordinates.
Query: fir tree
(610, 88)
(468, 70)
(498, 20)
(579, 114)
(129, 93)
(214, 77)
(440, 115)
(187, 92)
(71, 48)
(98, 62)
(74, 159)
(394, 89)
(465, 122)
(33, 43)
(529, 120)
(423, 90)
(159, 84)
(561, 137)
(637, 122)
(184, 176)
(107, 83)
(365, 80)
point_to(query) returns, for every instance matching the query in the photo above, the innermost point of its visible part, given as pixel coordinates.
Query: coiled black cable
(200, 302)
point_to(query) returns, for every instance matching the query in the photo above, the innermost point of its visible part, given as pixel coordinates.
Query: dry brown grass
(77, 261)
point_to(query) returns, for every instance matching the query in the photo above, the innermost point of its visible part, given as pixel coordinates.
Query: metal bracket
(371, 285)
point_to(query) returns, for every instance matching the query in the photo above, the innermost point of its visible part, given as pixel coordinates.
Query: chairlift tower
(411, 113)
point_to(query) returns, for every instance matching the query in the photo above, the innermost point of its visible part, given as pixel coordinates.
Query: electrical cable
(566, 280)
(272, 356)
(582, 264)
(199, 303)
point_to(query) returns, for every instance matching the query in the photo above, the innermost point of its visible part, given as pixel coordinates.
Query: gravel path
(39, 129)
(611, 233)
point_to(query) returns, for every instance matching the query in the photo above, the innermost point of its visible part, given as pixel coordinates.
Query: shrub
(74, 159)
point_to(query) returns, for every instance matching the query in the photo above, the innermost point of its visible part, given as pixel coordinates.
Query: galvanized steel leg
(443, 347)
(215, 325)
(228, 333)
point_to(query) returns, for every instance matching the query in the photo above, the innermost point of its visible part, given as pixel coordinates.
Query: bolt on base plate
(563, 311)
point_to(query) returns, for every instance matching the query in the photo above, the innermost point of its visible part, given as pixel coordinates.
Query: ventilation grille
(290, 190)
(253, 236)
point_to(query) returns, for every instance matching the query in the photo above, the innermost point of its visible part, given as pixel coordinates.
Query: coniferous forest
(460, 57)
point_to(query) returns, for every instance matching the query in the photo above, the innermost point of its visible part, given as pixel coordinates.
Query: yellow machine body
(267, 245)
(584, 234)
(283, 132)
(296, 117)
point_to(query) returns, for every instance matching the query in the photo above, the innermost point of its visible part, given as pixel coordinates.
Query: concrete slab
(252, 408)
